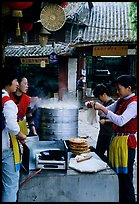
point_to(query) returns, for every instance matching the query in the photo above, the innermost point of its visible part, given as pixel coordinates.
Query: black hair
(126, 80)
(100, 89)
(7, 76)
(21, 75)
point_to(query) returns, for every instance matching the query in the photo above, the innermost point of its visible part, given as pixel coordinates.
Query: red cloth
(22, 105)
(132, 142)
(131, 126)
(5, 99)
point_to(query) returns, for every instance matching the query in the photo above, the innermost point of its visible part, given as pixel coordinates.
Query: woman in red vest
(11, 138)
(123, 114)
(23, 102)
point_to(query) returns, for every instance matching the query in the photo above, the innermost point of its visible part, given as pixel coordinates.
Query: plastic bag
(92, 116)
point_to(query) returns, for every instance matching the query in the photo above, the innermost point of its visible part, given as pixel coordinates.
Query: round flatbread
(80, 152)
(78, 144)
(78, 147)
(77, 140)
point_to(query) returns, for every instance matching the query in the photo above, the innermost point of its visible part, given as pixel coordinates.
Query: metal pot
(56, 124)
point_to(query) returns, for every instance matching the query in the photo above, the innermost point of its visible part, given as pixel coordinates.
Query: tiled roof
(109, 22)
(78, 11)
(37, 50)
(72, 8)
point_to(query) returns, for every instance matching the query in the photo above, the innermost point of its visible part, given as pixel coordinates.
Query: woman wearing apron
(22, 100)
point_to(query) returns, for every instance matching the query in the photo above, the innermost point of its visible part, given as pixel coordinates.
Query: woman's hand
(100, 107)
(92, 104)
(34, 130)
(102, 121)
(96, 106)
(89, 104)
(21, 137)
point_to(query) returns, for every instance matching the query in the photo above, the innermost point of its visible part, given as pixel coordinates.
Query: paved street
(91, 133)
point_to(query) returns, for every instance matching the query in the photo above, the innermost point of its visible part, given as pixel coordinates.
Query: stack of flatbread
(78, 145)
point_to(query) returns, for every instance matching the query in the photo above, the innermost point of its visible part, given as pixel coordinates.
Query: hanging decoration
(64, 4)
(52, 17)
(53, 58)
(26, 26)
(17, 8)
(18, 5)
(43, 36)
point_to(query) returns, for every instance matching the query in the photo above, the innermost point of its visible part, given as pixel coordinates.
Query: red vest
(131, 126)
(22, 105)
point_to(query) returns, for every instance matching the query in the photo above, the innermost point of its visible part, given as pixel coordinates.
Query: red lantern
(64, 4)
(17, 12)
(18, 5)
(26, 26)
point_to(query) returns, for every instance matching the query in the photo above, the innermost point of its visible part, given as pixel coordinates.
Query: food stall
(58, 167)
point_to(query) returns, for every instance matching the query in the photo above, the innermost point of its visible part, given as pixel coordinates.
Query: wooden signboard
(110, 50)
(34, 60)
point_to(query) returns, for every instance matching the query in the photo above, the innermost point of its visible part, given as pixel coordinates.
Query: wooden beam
(80, 45)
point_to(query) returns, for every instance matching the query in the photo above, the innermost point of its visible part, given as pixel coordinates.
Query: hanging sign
(110, 50)
(53, 58)
(34, 60)
(132, 52)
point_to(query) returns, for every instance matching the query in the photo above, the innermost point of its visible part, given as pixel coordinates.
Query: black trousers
(104, 140)
(126, 187)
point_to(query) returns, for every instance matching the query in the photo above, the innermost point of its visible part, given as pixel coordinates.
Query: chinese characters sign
(34, 60)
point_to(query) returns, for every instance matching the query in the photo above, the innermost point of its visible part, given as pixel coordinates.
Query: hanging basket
(53, 17)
